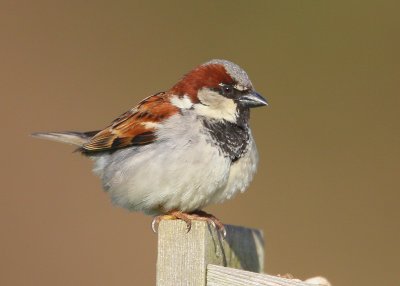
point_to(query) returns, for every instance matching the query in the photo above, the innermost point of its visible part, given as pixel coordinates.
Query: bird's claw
(154, 224)
(188, 218)
(211, 219)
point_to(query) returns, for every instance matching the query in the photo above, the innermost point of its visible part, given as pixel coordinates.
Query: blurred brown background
(327, 190)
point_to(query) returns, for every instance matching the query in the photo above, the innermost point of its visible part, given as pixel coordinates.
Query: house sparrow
(180, 150)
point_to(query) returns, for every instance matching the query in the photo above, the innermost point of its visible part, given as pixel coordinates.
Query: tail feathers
(74, 138)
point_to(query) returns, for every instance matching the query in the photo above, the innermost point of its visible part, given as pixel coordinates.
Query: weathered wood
(183, 256)
(224, 276)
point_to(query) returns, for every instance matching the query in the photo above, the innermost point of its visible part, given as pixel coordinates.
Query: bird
(180, 150)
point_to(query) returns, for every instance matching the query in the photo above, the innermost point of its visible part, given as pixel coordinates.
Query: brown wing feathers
(135, 127)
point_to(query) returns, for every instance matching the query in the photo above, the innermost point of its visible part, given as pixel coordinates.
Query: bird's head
(219, 90)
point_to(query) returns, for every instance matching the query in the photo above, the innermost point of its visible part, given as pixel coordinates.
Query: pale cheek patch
(216, 106)
(183, 103)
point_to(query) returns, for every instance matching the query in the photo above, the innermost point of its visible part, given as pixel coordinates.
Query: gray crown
(236, 72)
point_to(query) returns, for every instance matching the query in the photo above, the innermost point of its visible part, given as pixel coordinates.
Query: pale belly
(185, 174)
(161, 179)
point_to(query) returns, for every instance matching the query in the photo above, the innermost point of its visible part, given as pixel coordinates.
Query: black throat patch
(232, 139)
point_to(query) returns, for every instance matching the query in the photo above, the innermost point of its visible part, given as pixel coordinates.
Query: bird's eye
(227, 89)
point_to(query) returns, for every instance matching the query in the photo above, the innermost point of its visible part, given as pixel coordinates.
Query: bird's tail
(74, 138)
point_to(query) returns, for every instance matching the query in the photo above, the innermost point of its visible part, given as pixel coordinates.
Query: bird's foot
(188, 218)
(173, 215)
(209, 218)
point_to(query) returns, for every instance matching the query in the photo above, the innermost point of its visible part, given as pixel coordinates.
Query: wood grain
(224, 276)
(183, 256)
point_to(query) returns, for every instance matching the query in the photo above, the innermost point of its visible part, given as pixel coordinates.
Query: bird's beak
(253, 99)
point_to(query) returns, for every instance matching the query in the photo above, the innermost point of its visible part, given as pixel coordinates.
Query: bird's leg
(172, 216)
(204, 216)
(187, 218)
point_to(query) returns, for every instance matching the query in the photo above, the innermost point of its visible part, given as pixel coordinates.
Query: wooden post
(225, 276)
(183, 256)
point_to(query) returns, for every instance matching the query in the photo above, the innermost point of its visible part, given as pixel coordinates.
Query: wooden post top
(202, 257)
(183, 256)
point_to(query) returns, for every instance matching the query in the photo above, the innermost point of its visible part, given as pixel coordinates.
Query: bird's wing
(135, 127)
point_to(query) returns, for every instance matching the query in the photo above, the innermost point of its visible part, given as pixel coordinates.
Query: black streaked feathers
(231, 139)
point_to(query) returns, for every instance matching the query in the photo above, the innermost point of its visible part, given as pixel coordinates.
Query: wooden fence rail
(202, 257)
